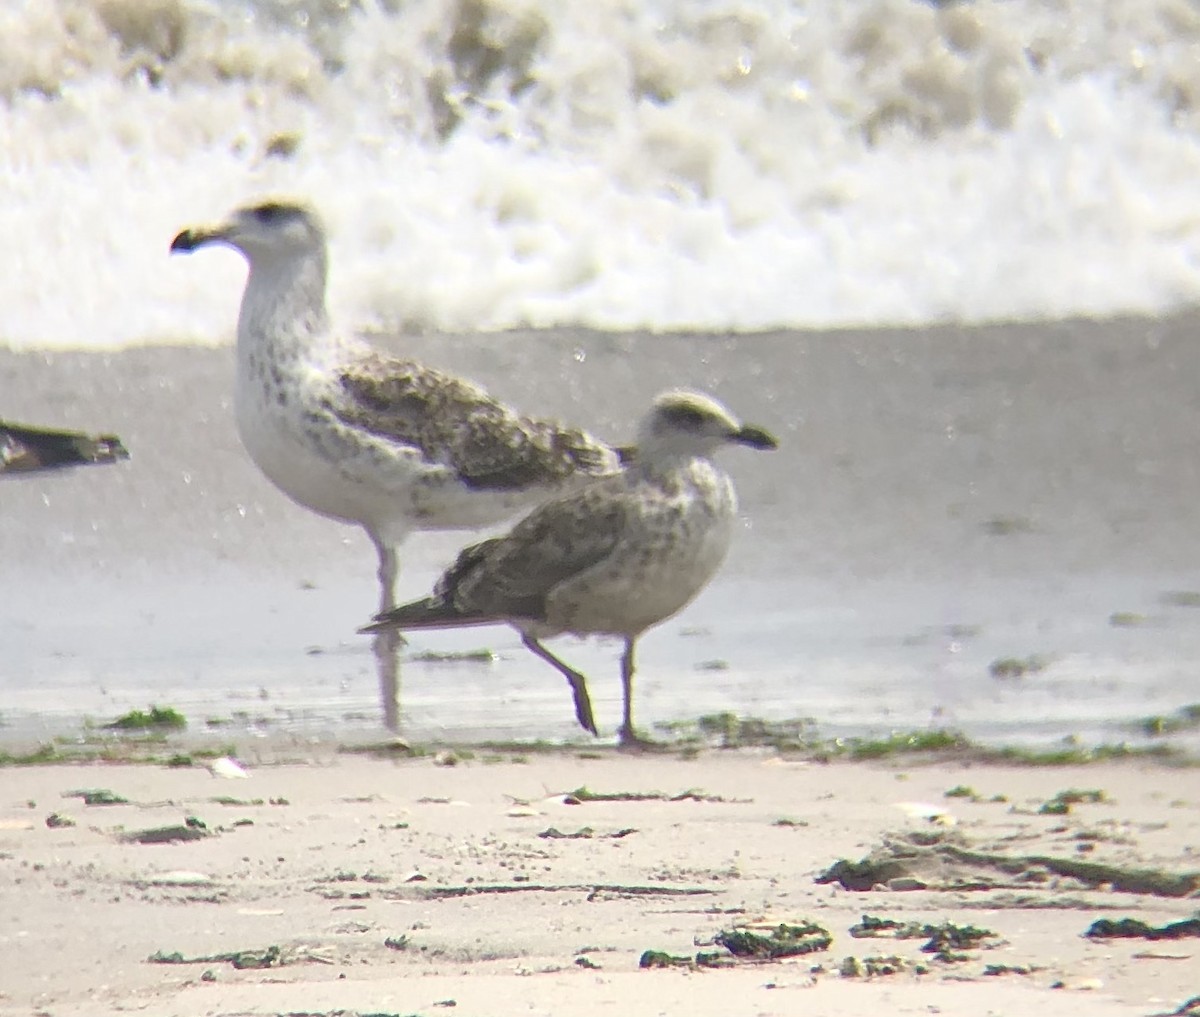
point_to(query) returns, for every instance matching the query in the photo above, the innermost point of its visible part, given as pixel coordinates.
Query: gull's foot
(628, 740)
(583, 709)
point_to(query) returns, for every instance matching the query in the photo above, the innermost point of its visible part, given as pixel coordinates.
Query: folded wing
(456, 424)
(509, 578)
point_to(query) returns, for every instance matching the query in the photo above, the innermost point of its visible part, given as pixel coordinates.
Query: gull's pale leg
(386, 645)
(628, 736)
(627, 733)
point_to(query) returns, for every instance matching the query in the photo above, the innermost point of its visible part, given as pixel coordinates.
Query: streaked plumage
(365, 438)
(615, 558)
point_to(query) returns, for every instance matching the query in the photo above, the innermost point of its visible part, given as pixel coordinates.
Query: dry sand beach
(353, 885)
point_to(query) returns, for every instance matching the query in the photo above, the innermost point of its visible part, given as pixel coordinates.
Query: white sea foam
(661, 163)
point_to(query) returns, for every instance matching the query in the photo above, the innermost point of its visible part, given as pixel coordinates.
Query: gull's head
(264, 231)
(690, 423)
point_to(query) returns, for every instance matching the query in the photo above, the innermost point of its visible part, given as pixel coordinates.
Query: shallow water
(942, 498)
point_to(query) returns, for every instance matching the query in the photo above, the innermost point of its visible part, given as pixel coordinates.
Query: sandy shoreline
(945, 498)
(394, 886)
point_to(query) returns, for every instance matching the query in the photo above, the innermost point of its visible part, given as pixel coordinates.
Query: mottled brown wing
(512, 576)
(456, 424)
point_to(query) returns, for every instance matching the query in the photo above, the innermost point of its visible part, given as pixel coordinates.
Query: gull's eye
(272, 212)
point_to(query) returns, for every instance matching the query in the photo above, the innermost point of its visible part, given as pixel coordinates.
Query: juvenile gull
(614, 558)
(365, 438)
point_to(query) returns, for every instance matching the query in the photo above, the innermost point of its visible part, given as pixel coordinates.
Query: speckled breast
(675, 544)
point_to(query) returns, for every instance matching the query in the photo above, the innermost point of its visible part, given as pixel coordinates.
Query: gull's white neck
(283, 319)
(659, 457)
(285, 356)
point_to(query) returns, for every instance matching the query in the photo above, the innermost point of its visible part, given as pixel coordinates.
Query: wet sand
(413, 887)
(943, 498)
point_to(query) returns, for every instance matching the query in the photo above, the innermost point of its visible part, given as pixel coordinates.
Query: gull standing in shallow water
(369, 439)
(615, 558)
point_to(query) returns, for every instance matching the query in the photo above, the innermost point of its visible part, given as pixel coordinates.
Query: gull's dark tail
(430, 613)
(444, 609)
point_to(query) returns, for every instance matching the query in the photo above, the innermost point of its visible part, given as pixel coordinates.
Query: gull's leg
(386, 645)
(627, 733)
(628, 737)
(389, 568)
(583, 704)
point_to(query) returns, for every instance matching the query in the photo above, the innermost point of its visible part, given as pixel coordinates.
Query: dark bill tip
(189, 240)
(756, 437)
(184, 241)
